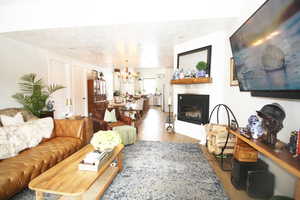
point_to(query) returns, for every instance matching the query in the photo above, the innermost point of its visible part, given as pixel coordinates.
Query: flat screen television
(266, 50)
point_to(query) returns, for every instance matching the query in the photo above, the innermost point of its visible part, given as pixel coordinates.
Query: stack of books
(93, 161)
(294, 144)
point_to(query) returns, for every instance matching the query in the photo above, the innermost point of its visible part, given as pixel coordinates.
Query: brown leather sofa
(68, 137)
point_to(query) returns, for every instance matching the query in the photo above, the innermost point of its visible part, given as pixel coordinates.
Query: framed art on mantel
(233, 74)
(188, 60)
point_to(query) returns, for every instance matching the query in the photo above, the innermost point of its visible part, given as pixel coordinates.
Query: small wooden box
(243, 152)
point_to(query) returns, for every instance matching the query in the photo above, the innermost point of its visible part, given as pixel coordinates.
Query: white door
(59, 74)
(79, 85)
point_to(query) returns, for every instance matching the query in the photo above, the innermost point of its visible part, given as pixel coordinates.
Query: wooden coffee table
(65, 179)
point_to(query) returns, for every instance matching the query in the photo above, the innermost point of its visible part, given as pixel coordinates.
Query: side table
(47, 114)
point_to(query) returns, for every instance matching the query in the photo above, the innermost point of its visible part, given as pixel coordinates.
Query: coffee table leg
(39, 195)
(120, 163)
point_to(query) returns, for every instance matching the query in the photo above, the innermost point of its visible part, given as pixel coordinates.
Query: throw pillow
(7, 120)
(15, 138)
(6, 148)
(10, 141)
(36, 130)
(110, 116)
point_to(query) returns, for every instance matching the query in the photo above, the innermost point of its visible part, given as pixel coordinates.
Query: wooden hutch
(96, 97)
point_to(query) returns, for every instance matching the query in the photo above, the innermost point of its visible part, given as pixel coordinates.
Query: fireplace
(193, 108)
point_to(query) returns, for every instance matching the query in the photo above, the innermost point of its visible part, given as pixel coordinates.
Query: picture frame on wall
(233, 73)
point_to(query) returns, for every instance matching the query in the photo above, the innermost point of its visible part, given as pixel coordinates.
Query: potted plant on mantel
(201, 67)
(34, 94)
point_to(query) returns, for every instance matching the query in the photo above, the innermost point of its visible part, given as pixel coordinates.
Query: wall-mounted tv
(266, 48)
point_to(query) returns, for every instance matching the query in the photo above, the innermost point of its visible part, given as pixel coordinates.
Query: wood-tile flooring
(152, 128)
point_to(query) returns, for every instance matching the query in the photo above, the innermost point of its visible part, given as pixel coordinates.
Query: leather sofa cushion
(18, 171)
(69, 127)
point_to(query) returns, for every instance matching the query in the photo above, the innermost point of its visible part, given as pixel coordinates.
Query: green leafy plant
(34, 93)
(117, 93)
(201, 65)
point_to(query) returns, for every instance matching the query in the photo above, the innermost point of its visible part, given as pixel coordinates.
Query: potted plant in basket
(34, 94)
(201, 67)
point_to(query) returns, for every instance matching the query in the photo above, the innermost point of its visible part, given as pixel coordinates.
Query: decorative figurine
(292, 145)
(273, 116)
(181, 74)
(193, 73)
(255, 127)
(244, 132)
(50, 105)
(188, 74)
(176, 74)
(233, 125)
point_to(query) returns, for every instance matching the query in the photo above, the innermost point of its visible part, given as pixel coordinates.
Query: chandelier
(126, 75)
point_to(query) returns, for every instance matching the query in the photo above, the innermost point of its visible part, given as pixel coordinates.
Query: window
(150, 85)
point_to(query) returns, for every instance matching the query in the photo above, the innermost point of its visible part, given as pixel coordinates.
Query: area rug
(159, 170)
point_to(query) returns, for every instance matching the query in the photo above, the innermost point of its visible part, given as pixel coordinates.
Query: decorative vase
(200, 73)
(181, 74)
(188, 74)
(176, 74)
(193, 73)
(50, 105)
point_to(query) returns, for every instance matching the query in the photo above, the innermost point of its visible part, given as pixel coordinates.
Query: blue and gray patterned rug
(159, 170)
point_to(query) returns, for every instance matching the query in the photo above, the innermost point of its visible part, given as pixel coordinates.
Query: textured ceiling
(145, 45)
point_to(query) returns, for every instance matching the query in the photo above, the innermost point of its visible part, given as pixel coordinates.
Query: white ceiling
(107, 33)
(17, 15)
(145, 45)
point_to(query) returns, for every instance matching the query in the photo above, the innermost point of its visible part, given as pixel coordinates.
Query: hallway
(152, 128)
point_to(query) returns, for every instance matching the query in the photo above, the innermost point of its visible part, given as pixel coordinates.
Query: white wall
(17, 59)
(242, 104)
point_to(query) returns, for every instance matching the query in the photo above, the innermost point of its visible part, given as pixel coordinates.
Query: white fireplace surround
(214, 89)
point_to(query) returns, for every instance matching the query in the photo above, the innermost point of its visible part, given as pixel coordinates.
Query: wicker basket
(243, 152)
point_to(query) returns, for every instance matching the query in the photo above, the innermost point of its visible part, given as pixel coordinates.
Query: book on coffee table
(93, 161)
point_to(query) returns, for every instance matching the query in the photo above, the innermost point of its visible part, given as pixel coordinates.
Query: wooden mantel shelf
(192, 80)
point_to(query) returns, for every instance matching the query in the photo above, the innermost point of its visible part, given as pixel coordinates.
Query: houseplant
(34, 93)
(118, 96)
(117, 93)
(201, 67)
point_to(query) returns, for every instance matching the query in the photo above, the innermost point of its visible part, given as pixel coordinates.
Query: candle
(169, 101)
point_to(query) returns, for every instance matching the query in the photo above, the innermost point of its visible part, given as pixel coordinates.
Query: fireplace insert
(193, 108)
